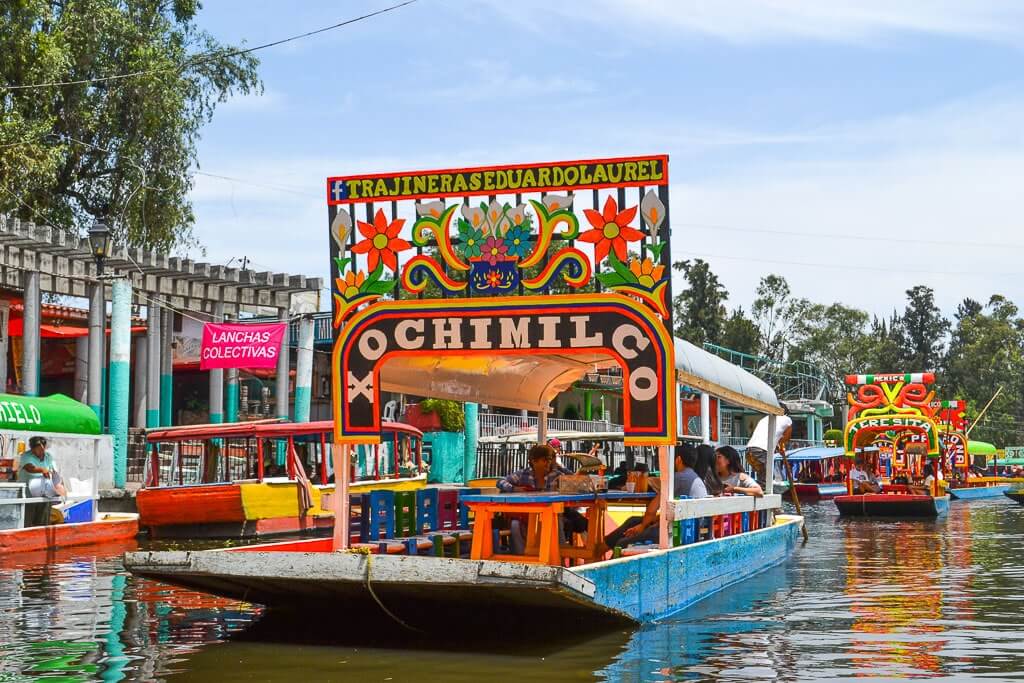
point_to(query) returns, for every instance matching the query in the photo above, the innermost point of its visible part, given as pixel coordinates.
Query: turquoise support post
(281, 383)
(217, 377)
(472, 432)
(231, 397)
(166, 365)
(810, 428)
(304, 369)
(120, 374)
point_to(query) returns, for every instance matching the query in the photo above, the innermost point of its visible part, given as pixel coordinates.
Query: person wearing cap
(36, 463)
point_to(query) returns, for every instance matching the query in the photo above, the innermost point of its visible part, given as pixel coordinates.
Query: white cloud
(269, 100)
(749, 21)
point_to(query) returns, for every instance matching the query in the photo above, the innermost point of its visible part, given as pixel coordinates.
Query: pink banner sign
(241, 346)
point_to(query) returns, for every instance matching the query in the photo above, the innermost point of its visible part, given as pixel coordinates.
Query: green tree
(121, 149)
(775, 312)
(884, 355)
(986, 352)
(835, 339)
(739, 333)
(699, 309)
(922, 331)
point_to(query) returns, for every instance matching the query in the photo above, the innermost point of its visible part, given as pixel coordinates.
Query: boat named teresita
(896, 407)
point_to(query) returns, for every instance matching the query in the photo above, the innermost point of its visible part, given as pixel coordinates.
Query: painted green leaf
(610, 279)
(375, 275)
(379, 287)
(620, 268)
(341, 263)
(655, 249)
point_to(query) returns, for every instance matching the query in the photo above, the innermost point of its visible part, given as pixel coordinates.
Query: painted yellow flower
(350, 284)
(647, 274)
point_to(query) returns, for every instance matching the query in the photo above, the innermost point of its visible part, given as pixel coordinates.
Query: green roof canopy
(980, 448)
(57, 413)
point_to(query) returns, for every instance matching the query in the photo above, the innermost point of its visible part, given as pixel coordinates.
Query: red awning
(16, 328)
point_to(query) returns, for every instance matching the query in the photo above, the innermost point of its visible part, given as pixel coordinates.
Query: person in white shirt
(759, 445)
(863, 481)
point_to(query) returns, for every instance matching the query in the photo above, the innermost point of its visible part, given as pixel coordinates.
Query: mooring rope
(369, 587)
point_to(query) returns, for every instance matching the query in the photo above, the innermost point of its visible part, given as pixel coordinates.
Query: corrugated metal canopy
(531, 381)
(709, 373)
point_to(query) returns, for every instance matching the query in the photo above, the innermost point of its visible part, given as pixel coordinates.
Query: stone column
(153, 325)
(30, 335)
(140, 346)
(231, 393)
(166, 367)
(217, 377)
(120, 374)
(97, 323)
(304, 369)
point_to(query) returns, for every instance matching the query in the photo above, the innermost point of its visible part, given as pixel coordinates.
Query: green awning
(57, 413)
(980, 448)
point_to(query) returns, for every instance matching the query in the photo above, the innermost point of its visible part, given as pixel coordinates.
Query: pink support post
(341, 508)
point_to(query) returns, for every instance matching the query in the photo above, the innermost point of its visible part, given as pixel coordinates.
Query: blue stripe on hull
(656, 584)
(975, 492)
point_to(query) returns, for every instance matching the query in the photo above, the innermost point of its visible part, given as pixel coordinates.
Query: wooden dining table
(543, 510)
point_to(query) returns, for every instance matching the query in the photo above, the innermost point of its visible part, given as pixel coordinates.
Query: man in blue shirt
(36, 463)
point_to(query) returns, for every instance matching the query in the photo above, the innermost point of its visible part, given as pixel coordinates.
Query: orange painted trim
(174, 505)
(66, 535)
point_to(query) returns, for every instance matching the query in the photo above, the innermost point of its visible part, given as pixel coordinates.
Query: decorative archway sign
(505, 282)
(898, 402)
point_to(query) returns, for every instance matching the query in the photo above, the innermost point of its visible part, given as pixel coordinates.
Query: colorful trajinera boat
(82, 456)
(897, 407)
(1016, 495)
(501, 336)
(818, 472)
(223, 481)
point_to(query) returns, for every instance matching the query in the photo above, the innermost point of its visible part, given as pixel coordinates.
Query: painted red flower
(382, 242)
(610, 230)
(493, 279)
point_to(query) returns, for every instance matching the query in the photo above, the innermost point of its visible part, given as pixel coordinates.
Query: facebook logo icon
(339, 190)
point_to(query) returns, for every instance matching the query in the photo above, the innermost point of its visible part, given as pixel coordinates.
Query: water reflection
(866, 599)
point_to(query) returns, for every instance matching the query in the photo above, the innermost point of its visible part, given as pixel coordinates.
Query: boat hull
(978, 492)
(1016, 496)
(108, 528)
(890, 505)
(243, 509)
(811, 492)
(430, 592)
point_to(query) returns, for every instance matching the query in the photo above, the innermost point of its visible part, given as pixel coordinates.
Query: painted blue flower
(472, 239)
(517, 239)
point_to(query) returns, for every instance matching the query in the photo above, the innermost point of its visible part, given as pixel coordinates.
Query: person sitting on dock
(730, 469)
(863, 481)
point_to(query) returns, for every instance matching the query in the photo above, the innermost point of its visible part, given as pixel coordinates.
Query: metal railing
(495, 424)
(741, 441)
(497, 460)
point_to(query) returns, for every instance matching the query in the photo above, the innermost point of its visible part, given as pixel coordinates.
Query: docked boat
(81, 455)
(1016, 495)
(977, 488)
(819, 473)
(884, 405)
(500, 348)
(223, 481)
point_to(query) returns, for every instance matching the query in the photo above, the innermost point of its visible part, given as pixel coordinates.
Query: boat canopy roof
(530, 436)
(812, 453)
(532, 381)
(268, 429)
(980, 448)
(709, 373)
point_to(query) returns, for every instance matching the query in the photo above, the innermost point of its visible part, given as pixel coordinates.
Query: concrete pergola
(39, 258)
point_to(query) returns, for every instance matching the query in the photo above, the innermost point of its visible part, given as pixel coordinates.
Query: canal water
(871, 599)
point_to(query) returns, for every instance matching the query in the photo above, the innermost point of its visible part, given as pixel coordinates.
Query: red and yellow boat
(224, 481)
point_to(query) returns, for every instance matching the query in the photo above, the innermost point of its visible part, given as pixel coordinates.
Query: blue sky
(897, 121)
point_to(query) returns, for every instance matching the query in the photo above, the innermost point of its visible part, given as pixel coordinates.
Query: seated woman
(707, 470)
(730, 469)
(925, 487)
